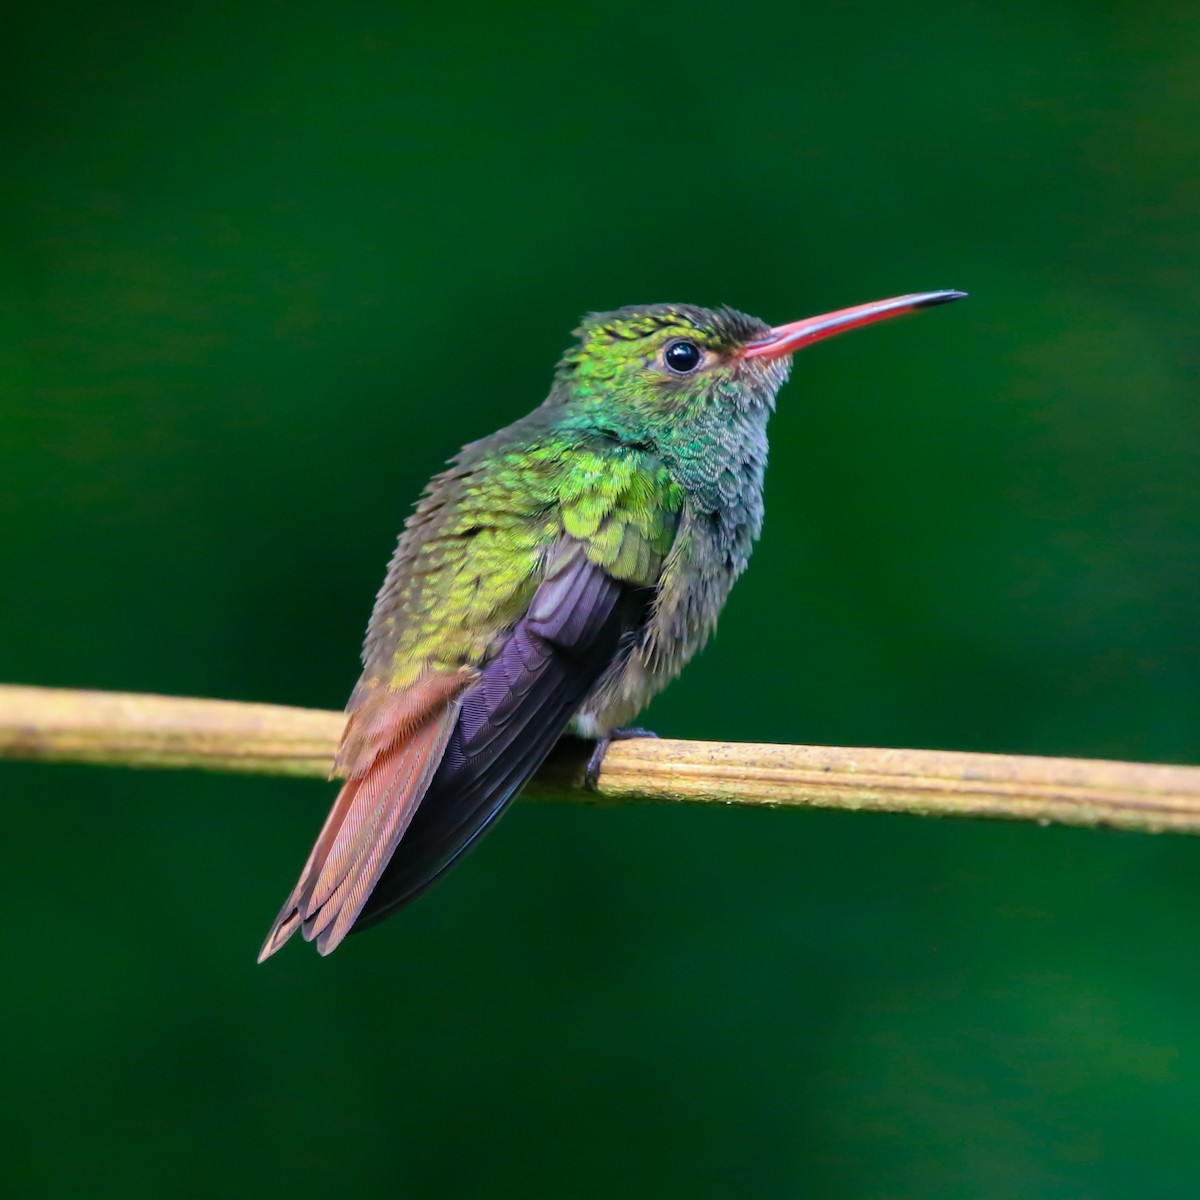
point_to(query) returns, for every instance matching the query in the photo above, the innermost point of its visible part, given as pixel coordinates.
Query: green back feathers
(624, 506)
(474, 552)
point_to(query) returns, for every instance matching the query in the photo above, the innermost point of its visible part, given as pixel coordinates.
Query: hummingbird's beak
(787, 339)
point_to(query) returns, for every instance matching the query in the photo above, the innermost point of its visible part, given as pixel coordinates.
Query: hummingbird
(552, 580)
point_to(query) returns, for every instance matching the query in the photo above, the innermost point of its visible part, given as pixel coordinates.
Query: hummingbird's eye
(683, 357)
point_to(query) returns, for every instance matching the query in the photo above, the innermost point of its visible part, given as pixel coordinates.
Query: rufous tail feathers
(392, 746)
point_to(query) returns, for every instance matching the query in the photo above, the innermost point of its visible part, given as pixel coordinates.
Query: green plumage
(475, 549)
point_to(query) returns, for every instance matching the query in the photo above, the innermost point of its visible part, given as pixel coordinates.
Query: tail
(390, 751)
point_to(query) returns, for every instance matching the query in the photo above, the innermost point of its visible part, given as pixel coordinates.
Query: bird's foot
(591, 776)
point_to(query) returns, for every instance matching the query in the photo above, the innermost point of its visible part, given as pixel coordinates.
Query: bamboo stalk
(119, 729)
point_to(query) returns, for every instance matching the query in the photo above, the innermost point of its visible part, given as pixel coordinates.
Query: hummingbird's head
(667, 358)
(666, 362)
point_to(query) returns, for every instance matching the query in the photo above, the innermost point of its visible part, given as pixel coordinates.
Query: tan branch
(52, 725)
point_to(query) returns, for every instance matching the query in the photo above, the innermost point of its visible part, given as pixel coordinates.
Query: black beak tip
(941, 298)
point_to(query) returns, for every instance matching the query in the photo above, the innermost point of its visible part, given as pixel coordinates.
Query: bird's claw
(591, 775)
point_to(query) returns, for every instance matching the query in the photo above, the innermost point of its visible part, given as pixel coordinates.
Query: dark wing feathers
(511, 716)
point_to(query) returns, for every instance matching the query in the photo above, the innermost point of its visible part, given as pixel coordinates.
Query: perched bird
(553, 579)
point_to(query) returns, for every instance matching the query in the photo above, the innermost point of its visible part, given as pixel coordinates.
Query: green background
(264, 267)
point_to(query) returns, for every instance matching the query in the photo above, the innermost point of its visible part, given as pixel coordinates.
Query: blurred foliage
(263, 267)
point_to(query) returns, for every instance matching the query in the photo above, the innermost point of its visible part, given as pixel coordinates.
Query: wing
(512, 715)
(511, 592)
